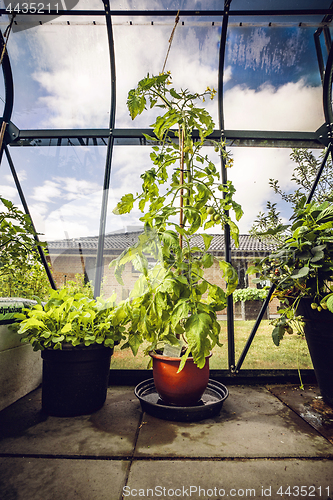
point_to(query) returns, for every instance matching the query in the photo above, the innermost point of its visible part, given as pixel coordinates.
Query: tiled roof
(120, 241)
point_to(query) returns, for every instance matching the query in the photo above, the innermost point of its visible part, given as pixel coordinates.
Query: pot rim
(172, 358)
(67, 346)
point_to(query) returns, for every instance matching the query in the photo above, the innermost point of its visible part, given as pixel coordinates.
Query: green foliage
(79, 286)
(18, 247)
(245, 294)
(302, 266)
(269, 225)
(165, 305)
(181, 194)
(25, 283)
(71, 319)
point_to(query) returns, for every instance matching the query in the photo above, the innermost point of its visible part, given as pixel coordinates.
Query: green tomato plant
(182, 196)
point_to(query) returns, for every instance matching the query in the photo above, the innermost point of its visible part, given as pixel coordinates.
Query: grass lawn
(262, 354)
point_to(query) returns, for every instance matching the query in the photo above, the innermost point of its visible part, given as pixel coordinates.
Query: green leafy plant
(302, 267)
(78, 285)
(18, 245)
(25, 283)
(71, 319)
(245, 294)
(181, 195)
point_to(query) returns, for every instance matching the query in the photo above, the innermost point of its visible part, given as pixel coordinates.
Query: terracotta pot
(179, 389)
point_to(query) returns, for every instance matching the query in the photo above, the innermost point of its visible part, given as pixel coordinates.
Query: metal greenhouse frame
(11, 136)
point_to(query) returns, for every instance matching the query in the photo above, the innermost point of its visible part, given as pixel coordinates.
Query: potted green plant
(248, 302)
(301, 269)
(182, 196)
(76, 336)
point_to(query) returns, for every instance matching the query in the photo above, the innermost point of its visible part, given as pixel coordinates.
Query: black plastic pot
(318, 331)
(75, 379)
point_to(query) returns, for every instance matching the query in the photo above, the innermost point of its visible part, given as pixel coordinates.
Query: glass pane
(263, 354)
(167, 5)
(272, 81)
(61, 77)
(279, 4)
(194, 48)
(63, 189)
(252, 170)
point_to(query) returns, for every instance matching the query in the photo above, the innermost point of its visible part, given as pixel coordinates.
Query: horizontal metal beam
(173, 13)
(98, 137)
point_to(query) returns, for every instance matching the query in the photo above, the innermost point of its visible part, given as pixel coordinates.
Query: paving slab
(61, 479)
(110, 432)
(252, 423)
(216, 480)
(308, 403)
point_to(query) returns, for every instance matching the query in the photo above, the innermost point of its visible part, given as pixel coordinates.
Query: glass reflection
(272, 81)
(192, 61)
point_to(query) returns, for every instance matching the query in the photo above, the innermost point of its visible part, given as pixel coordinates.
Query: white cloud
(8, 192)
(294, 106)
(46, 192)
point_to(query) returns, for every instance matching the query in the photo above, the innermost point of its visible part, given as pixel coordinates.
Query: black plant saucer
(209, 405)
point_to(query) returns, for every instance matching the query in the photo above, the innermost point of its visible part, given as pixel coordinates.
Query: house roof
(117, 242)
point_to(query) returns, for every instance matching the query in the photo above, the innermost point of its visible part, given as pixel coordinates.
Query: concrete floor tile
(111, 431)
(45, 479)
(216, 480)
(252, 423)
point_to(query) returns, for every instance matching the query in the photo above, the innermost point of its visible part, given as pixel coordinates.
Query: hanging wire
(6, 35)
(170, 40)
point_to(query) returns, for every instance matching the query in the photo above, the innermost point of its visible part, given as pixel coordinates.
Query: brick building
(78, 256)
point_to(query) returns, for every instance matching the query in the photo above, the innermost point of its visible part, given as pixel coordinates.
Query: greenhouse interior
(166, 249)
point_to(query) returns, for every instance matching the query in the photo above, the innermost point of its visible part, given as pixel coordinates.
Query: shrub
(245, 294)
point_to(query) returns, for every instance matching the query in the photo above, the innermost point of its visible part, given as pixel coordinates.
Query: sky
(62, 80)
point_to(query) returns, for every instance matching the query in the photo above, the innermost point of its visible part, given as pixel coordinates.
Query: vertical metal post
(328, 39)
(319, 55)
(227, 244)
(107, 173)
(328, 42)
(9, 92)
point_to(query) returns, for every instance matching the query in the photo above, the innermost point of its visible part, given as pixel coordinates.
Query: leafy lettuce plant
(71, 319)
(302, 267)
(182, 196)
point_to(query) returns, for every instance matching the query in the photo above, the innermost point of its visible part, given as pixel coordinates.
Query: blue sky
(62, 80)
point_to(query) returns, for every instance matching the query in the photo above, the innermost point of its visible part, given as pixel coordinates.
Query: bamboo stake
(181, 180)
